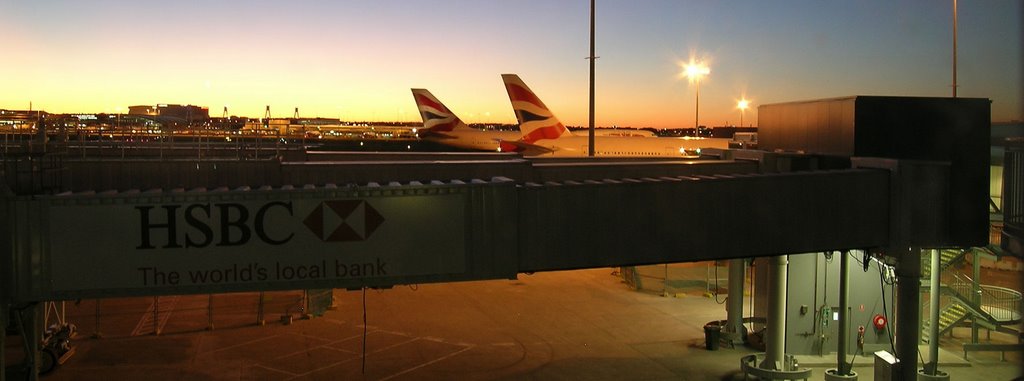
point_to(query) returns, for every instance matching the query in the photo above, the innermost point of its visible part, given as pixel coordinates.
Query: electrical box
(886, 366)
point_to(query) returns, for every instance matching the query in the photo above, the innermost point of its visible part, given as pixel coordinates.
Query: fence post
(96, 334)
(209, 313)
(259, 312)
(156, 315)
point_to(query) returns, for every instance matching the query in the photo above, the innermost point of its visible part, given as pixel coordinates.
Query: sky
(357, 60)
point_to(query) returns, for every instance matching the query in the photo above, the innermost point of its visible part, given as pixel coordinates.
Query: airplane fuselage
(629, 146)
(474, 139)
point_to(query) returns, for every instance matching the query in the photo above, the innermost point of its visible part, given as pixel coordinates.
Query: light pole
(694, 71)
(743, 104)
(954, 47)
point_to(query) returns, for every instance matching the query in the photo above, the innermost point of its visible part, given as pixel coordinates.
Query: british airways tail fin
(536, 122)
(437, 118)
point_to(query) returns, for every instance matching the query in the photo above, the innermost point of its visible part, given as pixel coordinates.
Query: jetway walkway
(321, 234)
(159, 242)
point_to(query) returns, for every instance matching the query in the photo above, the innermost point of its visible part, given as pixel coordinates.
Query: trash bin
(712, 336)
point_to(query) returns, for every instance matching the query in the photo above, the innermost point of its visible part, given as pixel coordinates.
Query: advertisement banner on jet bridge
(166, 241)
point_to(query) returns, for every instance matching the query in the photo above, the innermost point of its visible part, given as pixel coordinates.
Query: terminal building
(172, 114)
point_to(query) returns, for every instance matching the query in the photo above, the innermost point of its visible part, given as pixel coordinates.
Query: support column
(931, 369)
(975, 291)
(3, 340)
(734, 309)
(908, 312)
(775, 341)
(933, 315)
(844, 313)
(843, 369)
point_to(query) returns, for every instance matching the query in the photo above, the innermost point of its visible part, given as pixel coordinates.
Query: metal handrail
(1001, 303)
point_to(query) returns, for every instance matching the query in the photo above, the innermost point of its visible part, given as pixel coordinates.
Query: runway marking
(356, 358)
(287, 373)
(242, 344)
(325, 345)
(427, 363)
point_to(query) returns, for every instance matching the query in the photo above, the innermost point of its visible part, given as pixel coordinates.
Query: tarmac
(571, 325)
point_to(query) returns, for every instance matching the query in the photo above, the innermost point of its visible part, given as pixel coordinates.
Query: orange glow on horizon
(356, 61)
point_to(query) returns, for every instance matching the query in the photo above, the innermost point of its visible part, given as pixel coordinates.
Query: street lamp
(743, 104)
(694, 71)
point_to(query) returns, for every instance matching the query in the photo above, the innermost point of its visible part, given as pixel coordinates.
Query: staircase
(949, 317)
(962, 299)
(947, 258)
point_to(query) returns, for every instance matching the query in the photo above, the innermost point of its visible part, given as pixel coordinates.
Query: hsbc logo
(176, 226)
(343, 220)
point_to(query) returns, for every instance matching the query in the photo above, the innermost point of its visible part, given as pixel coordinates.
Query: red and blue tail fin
(436, 117)
(536, 121)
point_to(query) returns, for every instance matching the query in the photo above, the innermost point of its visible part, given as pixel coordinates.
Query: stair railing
(1002, 303)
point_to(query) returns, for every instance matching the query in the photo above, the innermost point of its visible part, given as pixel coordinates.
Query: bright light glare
(694, 71)
(743, 104)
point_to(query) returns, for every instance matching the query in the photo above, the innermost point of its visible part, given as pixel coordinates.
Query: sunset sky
(356, 60)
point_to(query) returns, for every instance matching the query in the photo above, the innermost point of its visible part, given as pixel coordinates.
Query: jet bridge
(167, 242)
(159, 242)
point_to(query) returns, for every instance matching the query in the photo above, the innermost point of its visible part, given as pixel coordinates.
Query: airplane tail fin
(436, 117)
(536, 122)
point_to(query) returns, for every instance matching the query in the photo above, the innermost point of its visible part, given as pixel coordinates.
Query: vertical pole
(933, 315)
(305, 304)
(844, 314)
(209, 313)
(156, 315)
(81, 139)
(259, 133)
(96, 334)
(707, 279)
(735, 306)
(591, 134)
(696, 112)
(908, 312)
(954, 47)
(3, 339)
(664, 283)
(975, 291)
(259, 312)
(775, 342)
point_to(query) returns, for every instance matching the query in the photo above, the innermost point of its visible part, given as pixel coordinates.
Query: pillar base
(939, 376)
(749, 366)
(736, 338)
(833, 375)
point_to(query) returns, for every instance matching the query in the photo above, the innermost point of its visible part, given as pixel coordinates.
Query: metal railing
(1001, 303)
